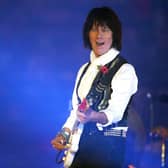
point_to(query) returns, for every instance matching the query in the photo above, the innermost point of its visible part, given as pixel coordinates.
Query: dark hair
(103, 16)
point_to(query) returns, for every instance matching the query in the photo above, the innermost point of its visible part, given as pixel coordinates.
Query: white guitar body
(73, 146)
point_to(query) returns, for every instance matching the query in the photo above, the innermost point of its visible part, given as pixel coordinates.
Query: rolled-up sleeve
(124, 84)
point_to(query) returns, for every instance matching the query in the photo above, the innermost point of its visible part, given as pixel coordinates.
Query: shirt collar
(105, 58)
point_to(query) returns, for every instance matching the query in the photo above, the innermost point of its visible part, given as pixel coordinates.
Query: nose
(99, 33)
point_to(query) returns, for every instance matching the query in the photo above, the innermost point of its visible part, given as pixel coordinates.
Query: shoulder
(127, 67)
(126, 71)
(82, 68)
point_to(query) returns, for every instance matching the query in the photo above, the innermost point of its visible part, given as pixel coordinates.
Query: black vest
(100, 91)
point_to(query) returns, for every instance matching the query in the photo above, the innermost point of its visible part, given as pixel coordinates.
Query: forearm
(99, 117)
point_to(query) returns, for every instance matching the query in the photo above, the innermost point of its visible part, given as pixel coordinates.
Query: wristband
(65, 134)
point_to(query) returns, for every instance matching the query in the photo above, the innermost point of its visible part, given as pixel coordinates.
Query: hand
(91, 116)
(59, 142)
(86, 116)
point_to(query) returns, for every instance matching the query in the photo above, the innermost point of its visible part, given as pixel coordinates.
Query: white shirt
(124, 85)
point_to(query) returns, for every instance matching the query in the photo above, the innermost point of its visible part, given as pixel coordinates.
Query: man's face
(100, 39)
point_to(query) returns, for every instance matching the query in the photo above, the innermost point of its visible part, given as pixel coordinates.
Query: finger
(81, 119)
(52, 142)
(58, 146)
(81, 115)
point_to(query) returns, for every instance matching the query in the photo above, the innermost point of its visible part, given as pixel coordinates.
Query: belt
(115, 132)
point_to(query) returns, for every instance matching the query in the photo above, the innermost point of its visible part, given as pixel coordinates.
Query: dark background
(41, 50)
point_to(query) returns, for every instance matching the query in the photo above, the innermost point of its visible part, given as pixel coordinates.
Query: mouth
(99, 44)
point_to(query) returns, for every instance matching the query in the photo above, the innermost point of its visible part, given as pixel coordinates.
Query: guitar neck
(75, 126)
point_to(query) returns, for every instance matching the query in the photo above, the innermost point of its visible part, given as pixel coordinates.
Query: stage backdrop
(41, 50)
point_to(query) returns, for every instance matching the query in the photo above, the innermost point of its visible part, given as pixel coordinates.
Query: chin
(100, 54)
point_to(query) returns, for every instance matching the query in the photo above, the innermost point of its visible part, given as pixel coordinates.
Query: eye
(105, 29)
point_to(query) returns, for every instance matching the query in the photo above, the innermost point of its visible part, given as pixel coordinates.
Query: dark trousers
(99, 151)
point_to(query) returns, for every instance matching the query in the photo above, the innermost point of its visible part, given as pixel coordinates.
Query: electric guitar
(73, 144)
